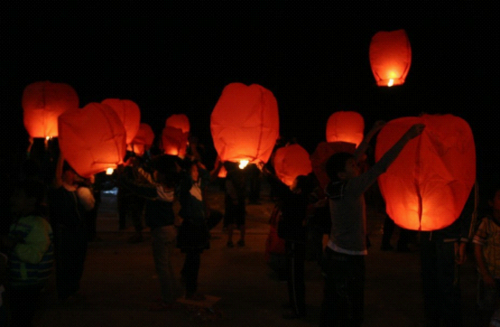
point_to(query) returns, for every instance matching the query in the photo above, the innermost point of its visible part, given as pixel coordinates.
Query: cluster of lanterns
(424, 189)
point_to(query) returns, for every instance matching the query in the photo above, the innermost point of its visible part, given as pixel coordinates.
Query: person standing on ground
(234, 216)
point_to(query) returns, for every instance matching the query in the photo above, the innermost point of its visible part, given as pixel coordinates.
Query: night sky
(171, 59)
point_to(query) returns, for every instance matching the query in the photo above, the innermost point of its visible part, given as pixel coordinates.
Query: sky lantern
(428, 184)
(92, 139)
(174, 141)
(291, 161)
(323, 151)
(345, 126)
(179, 121)
(142, 140)
(245, 124)
(390, 57)
(42, 104)
(129, 113)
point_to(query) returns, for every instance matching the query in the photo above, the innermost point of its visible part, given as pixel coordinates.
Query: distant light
(243, 164)
(48, 138)
(391, 83)
(109, 171)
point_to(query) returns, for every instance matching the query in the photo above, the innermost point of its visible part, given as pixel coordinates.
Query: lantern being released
(143, 139)
(345, 126)
(92, 139)
(390, 57)
(129, 114)
(428, 184)
(245, 123)
(43, 103)
(291, 161)
(174, 141)
(179, 121)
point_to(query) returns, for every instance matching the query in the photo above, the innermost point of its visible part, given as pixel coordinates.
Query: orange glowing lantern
(291, 161)
(345, 126)
(245, 123)
(179, 121)
(426, 187)
(92, 139)
(174, 141)
(390, 57)
(142, 140)
(323, 151)
(43, 103)
(129, 113)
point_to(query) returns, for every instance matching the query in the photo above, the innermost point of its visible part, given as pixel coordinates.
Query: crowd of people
(53, 217)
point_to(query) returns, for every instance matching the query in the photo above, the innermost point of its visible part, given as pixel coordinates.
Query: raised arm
(363, 146)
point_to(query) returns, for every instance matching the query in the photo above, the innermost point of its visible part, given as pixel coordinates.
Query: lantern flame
(243, 164)
(109, 171)
(391, 82)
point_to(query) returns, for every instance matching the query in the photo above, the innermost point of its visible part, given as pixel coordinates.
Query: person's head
(191, 167)
(342, 166)
(27, 198)
(302, 184)
(494, 200)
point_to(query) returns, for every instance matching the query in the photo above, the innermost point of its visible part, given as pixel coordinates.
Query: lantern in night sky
(323, 151)
(291, 161)
(43, 103)
(345, 126)
(179, 121)
(390, 57)
(174, 141)
(245, 124)
(129, 114)
(143, 139)
(92, 139)
(428, 184)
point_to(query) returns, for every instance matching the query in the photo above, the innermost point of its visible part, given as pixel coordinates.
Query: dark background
(172, 58)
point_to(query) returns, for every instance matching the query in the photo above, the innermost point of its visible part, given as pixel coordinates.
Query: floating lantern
(174, 141)
(345, 126)
(390, 57)
(92, 139)
(245, 123)
(291, 161)
(179, 121)
(426, 187)
(43, 103)
(323, 151)
(129, 113)
(142, 140)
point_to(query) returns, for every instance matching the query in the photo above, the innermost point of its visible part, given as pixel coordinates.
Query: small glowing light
(47, 138)
(391, 83)
(109, 171)
(243, 164)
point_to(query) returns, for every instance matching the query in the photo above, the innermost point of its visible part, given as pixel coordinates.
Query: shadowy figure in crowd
(30, 250)
(157, 188)
(343, 263)
(487, 253)
(193, 235)
(235, 194)
(253, 175)
(69, 200)
(94, 184)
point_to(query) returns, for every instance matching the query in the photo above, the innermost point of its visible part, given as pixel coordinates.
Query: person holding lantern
(343, 263)
(235, 189)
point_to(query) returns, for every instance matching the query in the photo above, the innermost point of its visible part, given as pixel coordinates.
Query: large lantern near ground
(92, 139)
(179, 121)
(390, 57)
(245, 124)
(43, 103)
(322, 153)
(174, 141)
(129, 114)
(428, 184)
(345, 126)
(143, 139)
(291, 161)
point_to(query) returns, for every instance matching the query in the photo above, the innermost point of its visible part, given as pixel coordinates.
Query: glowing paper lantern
(179, 121)
(323, 151)
(42, 103)
(345, 126)
(426, 187)
(245, 123)
(291, 161)
(174, 141)
(390, 57)
(92, 139)
(129, 113)
(142, 140)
